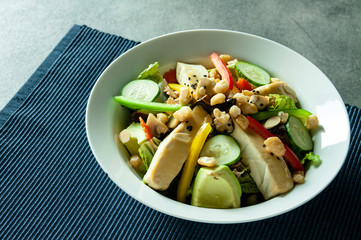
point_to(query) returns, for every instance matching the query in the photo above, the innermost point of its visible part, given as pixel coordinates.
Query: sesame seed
(204, 75)
(189, 128)
(253, 90)
(194, 75)
(272, 153)
(258, 92)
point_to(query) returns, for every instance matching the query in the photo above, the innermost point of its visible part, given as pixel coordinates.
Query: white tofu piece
(270, 174)
(188, 74)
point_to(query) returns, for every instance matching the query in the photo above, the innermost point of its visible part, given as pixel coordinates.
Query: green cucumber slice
(253, 74)
(299, 136)
(143, 89)
(223, 148)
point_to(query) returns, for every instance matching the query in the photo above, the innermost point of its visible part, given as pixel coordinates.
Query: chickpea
(248, 108)
(225, 58)
(163, 117)
(222, 121)
(207, 161)
(184, 95)
(221, 87)
(234, 111)
(218, 99)
(260, 101)
(298, 177)
(214, 74)
(241, 98)
(312, 122)
(275, 146)
(183, 114)
(242, 121)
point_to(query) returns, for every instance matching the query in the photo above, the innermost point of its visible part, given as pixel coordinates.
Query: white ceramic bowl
(105, 118)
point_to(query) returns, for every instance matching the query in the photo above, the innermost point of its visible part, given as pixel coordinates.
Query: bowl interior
(105, 118)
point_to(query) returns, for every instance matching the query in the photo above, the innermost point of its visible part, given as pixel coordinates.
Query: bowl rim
(189, 207)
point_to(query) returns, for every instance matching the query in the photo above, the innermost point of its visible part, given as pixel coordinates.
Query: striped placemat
(51, 186)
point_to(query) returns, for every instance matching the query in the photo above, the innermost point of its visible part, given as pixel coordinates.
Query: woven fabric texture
(51, 186)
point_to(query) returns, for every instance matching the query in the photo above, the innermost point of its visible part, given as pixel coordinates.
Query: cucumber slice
(299, 136)
(143, 89)
(223, 148)
(253, 74)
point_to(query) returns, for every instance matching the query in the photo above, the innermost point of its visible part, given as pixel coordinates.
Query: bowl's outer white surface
(105, 118)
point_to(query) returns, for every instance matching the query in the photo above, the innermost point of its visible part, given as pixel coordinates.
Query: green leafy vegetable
(313, 158)
(248, 185)
(147, 151)
(152, 73)
(281, 102)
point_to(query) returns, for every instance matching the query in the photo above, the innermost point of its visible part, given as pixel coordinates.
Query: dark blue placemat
(52, 187)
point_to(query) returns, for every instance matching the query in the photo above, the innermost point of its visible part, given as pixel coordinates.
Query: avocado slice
(216, 188)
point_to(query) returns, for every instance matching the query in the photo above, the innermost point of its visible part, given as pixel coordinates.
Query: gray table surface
(328, 33)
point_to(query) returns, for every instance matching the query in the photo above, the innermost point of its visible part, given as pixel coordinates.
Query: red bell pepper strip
(222, 69)
(243, 84)
(170, 76)
(146, 130)
(290, 156)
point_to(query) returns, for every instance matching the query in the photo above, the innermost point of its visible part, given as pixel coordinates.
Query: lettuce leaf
(281, 102)
(152, 73)
(248, 185)
(145, 154)
(312, 158)
(147, 151)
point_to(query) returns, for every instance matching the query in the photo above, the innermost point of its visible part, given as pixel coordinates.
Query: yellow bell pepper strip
(222, 69)
(175, 86)
(191, 161)
(235, 89)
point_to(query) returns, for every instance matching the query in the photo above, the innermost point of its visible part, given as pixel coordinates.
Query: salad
(223, 137)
